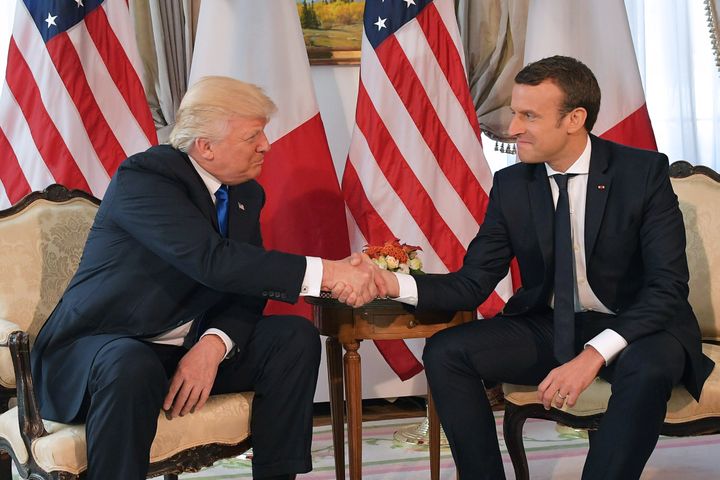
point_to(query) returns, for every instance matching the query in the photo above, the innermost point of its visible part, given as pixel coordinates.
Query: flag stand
(418, 434)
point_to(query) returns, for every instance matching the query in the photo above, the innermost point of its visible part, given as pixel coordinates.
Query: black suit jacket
(154, 260)
(634, 246)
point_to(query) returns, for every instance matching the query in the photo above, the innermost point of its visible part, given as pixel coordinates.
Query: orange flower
(392, 248)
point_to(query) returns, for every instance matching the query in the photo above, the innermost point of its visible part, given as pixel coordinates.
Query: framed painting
(332, 30)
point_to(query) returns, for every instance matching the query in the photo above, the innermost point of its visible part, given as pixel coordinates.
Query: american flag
(72, 105)
(416, 170)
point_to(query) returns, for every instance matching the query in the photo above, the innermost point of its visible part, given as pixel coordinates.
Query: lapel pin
(601, 187)
(241, 206)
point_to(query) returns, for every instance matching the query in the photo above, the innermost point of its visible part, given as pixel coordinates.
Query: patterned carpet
(552, 456)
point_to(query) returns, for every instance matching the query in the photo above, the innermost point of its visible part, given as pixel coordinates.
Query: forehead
(246, 123)
(544, 96)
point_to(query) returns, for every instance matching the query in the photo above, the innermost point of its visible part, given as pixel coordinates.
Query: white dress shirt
(608, 343)
(310, 285)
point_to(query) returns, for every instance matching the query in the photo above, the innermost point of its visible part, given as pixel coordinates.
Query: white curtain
(682, 83)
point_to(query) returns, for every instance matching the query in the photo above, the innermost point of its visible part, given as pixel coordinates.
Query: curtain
(682, 85)
(493, 36)
(165, 31)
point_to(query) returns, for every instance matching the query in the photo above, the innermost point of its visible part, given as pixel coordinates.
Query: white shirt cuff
(608, 343)
(229, 344)
(408, 289)
(313, 277)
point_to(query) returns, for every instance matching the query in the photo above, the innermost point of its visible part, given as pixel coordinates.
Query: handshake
(356, 280)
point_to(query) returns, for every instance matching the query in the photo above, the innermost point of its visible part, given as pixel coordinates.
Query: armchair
(698, 190)
(41, 242)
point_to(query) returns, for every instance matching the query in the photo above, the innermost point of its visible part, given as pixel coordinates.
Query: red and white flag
(416, 169)
(598, 34)
(72, 105)
(262, 43)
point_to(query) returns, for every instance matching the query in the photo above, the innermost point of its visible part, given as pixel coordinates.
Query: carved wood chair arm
(31, 425)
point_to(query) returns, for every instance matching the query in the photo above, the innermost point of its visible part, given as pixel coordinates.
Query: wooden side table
(347, 326)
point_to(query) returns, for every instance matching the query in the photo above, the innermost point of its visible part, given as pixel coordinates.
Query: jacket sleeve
(486, 263)
(664, 287)
(156, 210)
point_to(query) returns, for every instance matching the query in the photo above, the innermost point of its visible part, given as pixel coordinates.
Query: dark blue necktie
(564, 307)
(221, 204)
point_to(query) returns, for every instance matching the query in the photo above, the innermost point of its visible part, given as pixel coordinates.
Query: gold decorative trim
(711, 9)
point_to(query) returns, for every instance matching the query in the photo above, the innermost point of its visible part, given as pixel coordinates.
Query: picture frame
(332, 30)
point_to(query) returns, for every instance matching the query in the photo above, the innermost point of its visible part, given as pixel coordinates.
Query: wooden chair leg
(434, 422)
(5, 466)
(337, 411)
(512, 431)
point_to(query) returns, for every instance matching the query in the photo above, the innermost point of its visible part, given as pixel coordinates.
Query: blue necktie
(221, 204)
(564, 289)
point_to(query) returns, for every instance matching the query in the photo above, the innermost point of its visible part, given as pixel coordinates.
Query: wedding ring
(561, 397)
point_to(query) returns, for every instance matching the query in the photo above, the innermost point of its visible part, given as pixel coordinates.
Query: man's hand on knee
(193, 380)
(565, 383)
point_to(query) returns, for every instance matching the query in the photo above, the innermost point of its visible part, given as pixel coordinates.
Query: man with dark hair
(599, 239)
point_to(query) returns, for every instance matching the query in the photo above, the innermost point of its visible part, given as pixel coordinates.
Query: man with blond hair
(167, 304)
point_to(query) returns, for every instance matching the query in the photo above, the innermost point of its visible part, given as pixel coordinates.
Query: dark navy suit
(636, 266)
(154, 260)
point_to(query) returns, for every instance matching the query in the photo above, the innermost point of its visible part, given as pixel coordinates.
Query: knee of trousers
(439, 353)
(644, 379)
(298, 339)
(137, 372)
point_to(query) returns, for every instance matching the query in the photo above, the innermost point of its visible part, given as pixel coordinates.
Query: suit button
(264, 294)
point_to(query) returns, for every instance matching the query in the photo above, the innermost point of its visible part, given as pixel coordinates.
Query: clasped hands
(356, 280)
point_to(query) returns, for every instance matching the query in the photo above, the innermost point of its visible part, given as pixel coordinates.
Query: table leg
(434, 422)
(337, 409)
(353, 396)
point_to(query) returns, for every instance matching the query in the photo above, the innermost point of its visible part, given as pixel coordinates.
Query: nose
(263, 144)
(515, 128)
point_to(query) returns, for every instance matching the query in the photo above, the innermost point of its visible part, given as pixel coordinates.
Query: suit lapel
(243, 209)
(199, 194)
(541, 205)
(598, 189)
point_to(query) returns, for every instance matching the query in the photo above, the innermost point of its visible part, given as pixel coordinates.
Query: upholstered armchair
(41, 242)
(698, 190)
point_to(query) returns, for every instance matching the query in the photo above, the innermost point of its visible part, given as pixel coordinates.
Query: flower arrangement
(396, 257)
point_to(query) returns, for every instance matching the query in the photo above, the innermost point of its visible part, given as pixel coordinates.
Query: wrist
(594, 357)
(215, 344)
(327, 274)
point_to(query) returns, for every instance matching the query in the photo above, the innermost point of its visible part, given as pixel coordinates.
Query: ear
(576, 120)
(202, 149)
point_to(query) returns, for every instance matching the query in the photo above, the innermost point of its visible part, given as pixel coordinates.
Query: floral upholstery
(699, 200)
(40, 249)
(224, 419)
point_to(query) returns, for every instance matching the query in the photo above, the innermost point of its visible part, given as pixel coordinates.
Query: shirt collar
(581, 165)
(211, 183)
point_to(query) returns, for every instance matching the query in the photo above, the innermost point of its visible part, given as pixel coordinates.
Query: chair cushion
(681, 407)
(224, 419)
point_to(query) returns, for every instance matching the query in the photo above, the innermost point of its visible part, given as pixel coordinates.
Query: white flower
(404, 268)
(415, 264)
(380, 262)
(392, 262)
